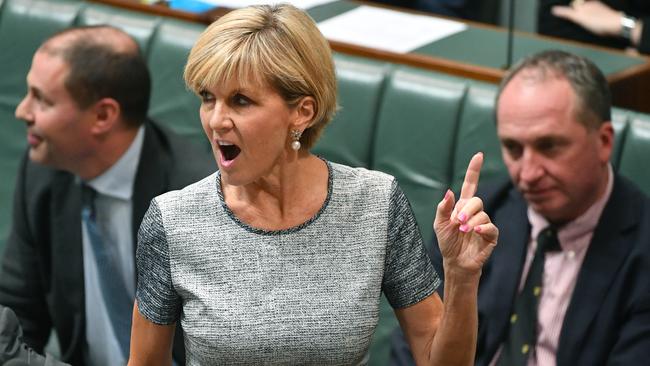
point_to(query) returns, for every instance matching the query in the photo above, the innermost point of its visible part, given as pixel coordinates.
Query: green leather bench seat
(414, 141)
(636, 151)
(477, 121)
(348, 138)
(415, 136)
(171, 103)
(138, 25)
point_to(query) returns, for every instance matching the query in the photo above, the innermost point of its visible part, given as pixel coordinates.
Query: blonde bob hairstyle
(279, 46)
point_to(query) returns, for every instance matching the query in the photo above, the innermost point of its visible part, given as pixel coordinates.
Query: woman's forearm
(455, 340)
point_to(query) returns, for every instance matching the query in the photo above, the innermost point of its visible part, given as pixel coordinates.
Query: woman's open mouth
(229, 152)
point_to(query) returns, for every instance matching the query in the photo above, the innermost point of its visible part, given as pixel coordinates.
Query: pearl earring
(295, 136)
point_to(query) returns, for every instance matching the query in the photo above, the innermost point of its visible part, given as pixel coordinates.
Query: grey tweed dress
(308, 295)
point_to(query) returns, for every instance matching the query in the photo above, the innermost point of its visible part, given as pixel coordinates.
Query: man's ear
(304, 112)
(605, 141)
(106, 113)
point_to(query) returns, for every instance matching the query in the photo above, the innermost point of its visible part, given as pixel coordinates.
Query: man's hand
(13, 351)
(594, 16)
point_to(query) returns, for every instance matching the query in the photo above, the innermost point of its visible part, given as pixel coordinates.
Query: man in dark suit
(591, 302)
(67, 263)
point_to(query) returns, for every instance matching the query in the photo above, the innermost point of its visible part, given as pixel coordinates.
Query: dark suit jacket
(608, 318)
(551, 25)
(41, 271)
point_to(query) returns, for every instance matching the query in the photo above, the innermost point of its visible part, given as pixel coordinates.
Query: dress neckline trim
(290, 230)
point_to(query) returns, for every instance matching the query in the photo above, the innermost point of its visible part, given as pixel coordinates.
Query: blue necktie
(116, 298)
(522, 333)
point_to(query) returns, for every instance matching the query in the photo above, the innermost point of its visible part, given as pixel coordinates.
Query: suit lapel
(67, 248)
(151, 178)
(607, 251)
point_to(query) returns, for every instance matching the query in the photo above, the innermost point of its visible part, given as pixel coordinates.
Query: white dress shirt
(114, 212)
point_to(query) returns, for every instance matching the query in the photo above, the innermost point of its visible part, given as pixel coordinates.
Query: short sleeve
(157, 299)
(409, 276)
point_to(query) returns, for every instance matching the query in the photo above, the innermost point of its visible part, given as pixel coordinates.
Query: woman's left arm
(445, 334)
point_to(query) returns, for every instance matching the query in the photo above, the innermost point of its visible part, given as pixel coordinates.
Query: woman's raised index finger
(470, 184)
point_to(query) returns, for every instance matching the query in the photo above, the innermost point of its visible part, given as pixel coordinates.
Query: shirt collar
(568, 233)
(118, 180)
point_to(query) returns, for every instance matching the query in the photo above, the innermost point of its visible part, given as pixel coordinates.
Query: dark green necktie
(522, 332)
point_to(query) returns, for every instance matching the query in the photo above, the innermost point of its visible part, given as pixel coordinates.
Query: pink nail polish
(462, 217)
(477, 229)
(464, 228)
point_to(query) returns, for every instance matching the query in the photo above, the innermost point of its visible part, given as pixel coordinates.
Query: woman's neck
(286, 197)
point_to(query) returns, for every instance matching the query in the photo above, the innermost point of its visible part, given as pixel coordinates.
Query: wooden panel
(477, 53)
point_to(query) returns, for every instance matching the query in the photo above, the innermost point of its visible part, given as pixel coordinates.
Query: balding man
(94, 163)
(568, 283)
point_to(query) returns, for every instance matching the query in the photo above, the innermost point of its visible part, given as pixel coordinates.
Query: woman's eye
(240, 100)
(206, 97)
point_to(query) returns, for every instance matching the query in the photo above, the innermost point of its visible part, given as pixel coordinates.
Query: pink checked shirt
(560, 275)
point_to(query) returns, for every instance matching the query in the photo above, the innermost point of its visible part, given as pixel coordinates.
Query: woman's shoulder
(190, 195)
(361, 182)
(375, 177)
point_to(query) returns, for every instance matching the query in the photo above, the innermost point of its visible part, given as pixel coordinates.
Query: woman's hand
(466, 235)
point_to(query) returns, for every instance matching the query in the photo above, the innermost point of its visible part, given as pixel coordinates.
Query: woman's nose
(220, 118)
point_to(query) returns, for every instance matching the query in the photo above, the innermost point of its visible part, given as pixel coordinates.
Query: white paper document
(234, 4)
(386, 29)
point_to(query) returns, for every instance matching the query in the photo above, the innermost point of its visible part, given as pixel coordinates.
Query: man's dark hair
(104, 62)
(587, 81)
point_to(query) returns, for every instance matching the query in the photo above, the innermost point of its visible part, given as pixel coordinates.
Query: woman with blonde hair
(281, 257)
